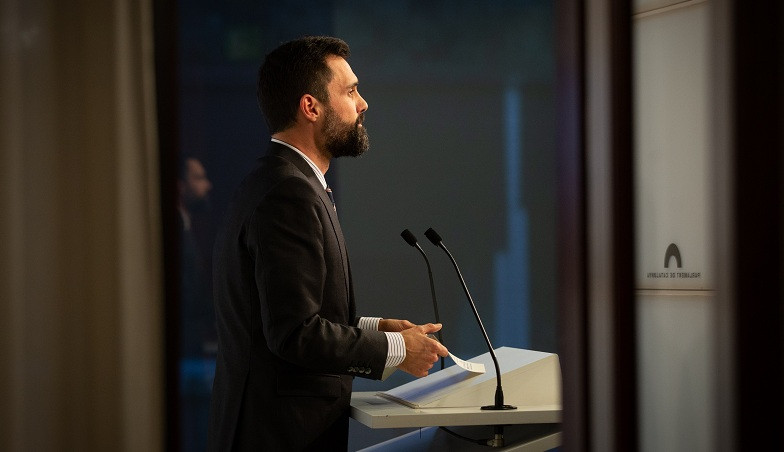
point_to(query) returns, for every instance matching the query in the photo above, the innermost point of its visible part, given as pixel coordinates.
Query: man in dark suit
(290, 341)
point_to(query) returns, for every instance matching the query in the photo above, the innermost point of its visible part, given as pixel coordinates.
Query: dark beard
(345, 140)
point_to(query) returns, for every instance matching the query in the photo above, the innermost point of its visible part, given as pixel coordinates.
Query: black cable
(481, 442)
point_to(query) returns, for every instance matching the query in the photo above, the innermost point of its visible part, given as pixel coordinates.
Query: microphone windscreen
(433, 236)
(409, 237)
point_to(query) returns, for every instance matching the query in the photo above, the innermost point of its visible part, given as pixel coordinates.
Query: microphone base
(499, 407)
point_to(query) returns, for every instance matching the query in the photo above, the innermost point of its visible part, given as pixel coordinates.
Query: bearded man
(289, 338)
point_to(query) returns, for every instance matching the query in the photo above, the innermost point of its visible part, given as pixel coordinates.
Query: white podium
(453, 397)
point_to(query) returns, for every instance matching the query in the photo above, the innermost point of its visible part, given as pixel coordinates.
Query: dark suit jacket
(288, 342)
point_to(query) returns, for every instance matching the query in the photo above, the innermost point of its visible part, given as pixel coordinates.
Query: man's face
(196, 185)
(343, 131)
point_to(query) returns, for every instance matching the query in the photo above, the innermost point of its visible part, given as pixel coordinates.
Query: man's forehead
(341, 71)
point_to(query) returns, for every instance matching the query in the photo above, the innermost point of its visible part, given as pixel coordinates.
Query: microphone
(499, 392)
(411, 240)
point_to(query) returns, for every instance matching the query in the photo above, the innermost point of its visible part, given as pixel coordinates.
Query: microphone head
(433, 236)
(409, 237)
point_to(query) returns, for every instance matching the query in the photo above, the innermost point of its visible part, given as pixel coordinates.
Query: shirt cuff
(369, 323)
(397, 349)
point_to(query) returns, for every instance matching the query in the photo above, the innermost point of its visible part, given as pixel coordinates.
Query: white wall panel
(675, 358)
(671, 148)
(674, 302)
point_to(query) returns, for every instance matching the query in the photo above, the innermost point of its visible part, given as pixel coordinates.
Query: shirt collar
(313, 166)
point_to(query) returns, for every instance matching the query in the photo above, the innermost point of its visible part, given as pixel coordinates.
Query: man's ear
(310, 107)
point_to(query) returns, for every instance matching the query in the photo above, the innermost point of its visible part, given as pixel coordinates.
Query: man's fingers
(422, 349)
(430, 327)
(438, 348)
(425, 370)
(442, 351)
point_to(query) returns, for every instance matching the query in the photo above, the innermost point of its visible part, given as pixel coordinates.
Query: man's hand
(421, 351)
(394, 325)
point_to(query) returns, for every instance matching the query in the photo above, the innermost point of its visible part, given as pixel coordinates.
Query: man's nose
(362, 106)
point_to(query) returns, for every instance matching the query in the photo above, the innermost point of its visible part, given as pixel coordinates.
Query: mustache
(360, 119)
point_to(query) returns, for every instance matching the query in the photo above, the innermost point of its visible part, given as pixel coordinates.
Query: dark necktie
(332, 198)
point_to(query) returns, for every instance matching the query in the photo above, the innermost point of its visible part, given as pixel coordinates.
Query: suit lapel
(295, 159)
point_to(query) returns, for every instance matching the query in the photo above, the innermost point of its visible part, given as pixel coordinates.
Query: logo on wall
(673, 253)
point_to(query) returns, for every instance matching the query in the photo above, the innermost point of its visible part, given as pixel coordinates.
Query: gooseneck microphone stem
(499, 392)
(476, 314)
(411, 240)
(433, 296)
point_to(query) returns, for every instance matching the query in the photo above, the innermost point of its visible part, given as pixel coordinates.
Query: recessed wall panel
(675, 362)
(672, 199)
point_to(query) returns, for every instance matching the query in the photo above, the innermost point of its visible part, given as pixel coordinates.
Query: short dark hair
(292, 70)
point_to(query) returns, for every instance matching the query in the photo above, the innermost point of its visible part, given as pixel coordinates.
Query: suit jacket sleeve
(304, 288)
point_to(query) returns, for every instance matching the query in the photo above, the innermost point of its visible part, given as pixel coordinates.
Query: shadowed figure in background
(197, 312)
(198, 335)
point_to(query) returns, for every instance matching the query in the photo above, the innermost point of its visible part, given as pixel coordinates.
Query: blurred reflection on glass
(198, 339)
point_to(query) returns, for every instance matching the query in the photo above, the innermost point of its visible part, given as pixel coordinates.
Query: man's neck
(307, 147)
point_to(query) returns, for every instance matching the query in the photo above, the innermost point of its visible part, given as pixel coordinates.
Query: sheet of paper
(477, 368)
(387, 372)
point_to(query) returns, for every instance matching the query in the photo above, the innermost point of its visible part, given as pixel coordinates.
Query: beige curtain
(80, 239)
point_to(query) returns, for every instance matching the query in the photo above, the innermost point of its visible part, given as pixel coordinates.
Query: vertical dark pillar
(596, 34)
(752, 307)
(166, 57)
(622, 207)
(572, 309)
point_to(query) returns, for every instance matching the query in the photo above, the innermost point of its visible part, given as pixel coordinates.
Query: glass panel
(461, 121)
